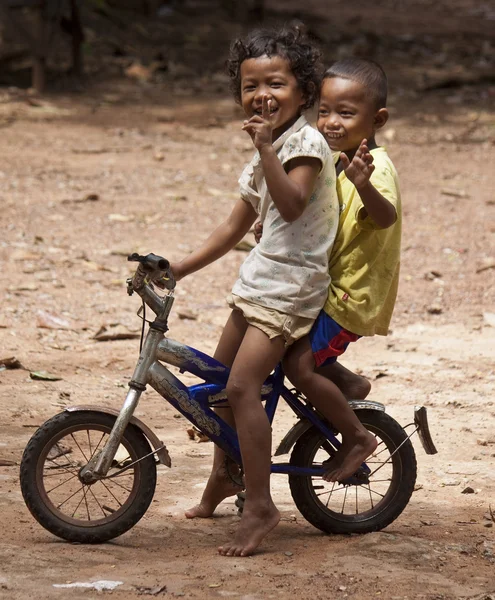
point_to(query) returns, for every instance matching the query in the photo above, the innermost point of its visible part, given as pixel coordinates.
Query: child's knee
(236, 391)
(297, 371)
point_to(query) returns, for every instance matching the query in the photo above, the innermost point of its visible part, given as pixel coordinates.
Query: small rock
(489, 524)
(288, 553)
(450, 482)
(187, 314)
(431, 275)
(434, 309)
(342, 588)
(468, 490)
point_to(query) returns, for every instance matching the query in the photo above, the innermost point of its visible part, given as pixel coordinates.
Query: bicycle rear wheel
(340, 508)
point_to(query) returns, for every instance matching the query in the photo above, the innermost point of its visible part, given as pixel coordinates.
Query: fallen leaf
(487, 263)
(114, 332)
(24, 287)
(455, 193)
(86, 198)
(46, 320)
(147, 591)
(44, 376)
(197, 435)
(120, 218)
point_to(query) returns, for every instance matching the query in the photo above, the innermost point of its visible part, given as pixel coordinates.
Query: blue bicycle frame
(196, 402)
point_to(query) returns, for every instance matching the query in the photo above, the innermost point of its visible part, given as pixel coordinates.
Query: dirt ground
(86, 179)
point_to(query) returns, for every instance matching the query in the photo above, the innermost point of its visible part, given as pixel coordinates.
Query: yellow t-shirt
(365, 259)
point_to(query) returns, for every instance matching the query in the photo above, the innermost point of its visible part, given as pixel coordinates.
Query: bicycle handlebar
(151, 262)
(151, 268)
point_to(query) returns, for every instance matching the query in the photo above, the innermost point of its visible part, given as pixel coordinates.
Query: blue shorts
(329, 340)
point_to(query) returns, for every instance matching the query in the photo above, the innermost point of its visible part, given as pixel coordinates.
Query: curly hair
(290, 43)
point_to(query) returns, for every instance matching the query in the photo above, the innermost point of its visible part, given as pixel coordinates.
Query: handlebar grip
(151, 262)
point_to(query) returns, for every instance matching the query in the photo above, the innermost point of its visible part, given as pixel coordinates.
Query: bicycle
(88, 474)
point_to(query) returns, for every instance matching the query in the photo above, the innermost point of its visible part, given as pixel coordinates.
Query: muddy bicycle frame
(196, 402)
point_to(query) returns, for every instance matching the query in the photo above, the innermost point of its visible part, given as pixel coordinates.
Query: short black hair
(290, 43)
(366, 72)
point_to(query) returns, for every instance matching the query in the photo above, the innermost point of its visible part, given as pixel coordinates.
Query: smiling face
(347, 114)
(271, 77)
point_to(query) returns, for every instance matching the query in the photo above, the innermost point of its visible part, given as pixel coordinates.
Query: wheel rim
(66, 496)
(358, 502)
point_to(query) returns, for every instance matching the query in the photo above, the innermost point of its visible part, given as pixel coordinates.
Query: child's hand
(260, 127)
(258, 231)
(361, 167)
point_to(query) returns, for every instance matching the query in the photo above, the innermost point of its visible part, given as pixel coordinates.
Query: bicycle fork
(99, 465)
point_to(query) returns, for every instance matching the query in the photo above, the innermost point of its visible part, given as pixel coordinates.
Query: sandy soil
(163, 172)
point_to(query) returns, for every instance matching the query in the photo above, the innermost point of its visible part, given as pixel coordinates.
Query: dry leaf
(114, 332)
(46, 320)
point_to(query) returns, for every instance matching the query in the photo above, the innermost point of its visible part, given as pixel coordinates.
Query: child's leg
(255, 359)
(220, 485)
(352, 385)
(357, 442)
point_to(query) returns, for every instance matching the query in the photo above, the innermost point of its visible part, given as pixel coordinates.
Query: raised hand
(260, 127)
(359, 169)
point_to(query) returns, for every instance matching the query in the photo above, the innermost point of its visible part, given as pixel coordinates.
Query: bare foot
(254, 526)
(350, 457)
(218, 487)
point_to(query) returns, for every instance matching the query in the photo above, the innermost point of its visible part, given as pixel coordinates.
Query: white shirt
(288, 269)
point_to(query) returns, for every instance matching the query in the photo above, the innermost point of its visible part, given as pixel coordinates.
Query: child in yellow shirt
(364, 262)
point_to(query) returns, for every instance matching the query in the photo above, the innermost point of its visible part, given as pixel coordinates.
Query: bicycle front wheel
(66, 506)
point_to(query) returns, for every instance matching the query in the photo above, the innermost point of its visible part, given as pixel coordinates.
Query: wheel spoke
(89, 443)
(97, 502)
(111, 493)
(71, 496)
(80, 502)
(87, 507)
(60, 484)
(343, 504)
(98, 445)
(60, 469)
(331, 491)
(69, 462)
(117, 483)
(80, 449)
(377, 493)
(371, 499)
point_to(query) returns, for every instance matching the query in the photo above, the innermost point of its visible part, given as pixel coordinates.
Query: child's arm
(359, 171)
(223, 239)
(290, 191)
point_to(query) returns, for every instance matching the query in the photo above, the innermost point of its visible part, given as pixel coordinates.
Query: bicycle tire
(37, 466)
(394, 501)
